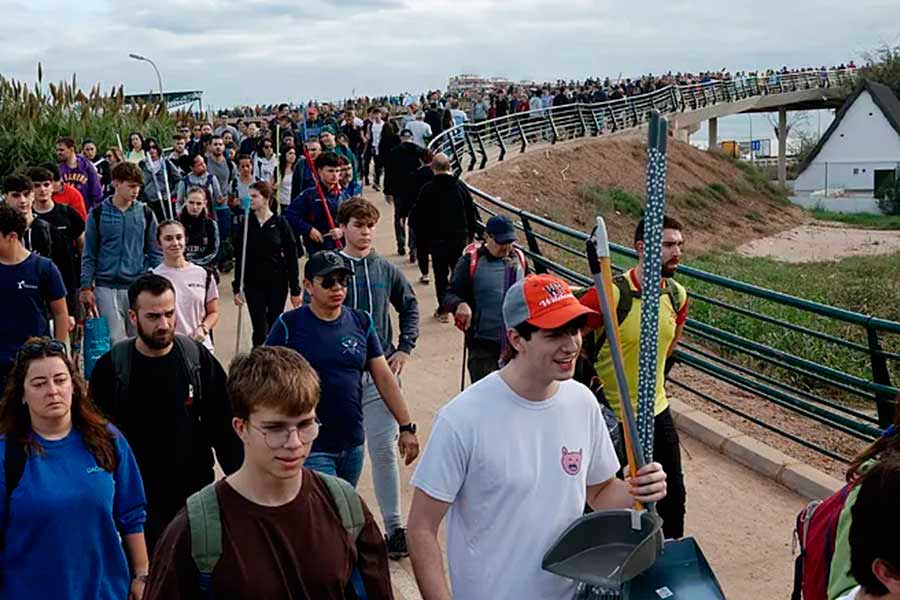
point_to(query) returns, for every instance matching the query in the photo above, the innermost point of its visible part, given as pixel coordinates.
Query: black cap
(406, 133)
(501, 229)
(324, 262)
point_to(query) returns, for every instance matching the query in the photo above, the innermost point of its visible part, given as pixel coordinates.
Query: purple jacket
(83, 178)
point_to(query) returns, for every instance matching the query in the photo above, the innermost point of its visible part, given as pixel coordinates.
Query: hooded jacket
(307, 211)
(118, 246)
(155, 183)
(402, 162)
(201, 238)
(377, 282)
(271, 255)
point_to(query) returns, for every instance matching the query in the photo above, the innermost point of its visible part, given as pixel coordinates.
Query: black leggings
(667, 452)
(264, 305)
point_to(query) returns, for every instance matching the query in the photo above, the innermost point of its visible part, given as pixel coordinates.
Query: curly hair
(15, 420)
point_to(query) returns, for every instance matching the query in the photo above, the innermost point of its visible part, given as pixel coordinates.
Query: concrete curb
(765, 460)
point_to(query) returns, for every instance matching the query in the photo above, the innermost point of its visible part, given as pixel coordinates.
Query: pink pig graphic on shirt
(571, 461)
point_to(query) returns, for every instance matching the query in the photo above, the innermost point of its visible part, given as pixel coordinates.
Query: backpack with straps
(472, 252)
(585, 370)
(815, 534)
(188, 349)
(205, 522)
(207, 187)
(97, 211)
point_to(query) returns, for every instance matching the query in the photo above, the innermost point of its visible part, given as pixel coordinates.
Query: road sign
(755, 145)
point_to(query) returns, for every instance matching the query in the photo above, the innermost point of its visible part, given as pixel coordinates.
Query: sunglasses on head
(39, 348)
(332, 280)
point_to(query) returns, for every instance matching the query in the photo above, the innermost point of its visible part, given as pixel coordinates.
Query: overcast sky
(249, 51)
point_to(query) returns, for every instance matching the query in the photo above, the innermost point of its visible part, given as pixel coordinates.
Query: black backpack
(188, 349)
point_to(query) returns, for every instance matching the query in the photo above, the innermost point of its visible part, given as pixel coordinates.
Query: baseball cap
(327, 129)
(312, 110)
(323, 263)
(406, 133)
(501, 229)
(545, 301)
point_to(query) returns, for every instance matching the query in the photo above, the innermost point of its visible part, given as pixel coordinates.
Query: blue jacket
(306, 211)
(122, 248)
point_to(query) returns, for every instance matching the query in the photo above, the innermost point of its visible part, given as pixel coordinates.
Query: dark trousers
(444, 254)
(399, 228)
(379, 168)
(422, 248)
(264, 305)
(483, 359)
(667, 452)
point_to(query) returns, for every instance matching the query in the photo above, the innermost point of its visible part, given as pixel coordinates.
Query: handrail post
(470, 148)
(612, 115)
(552, 126)
(481, 148)
(518, 120)
(598, 120)
(500, 142)
(533, 245)
(885, 403)
(584, 125)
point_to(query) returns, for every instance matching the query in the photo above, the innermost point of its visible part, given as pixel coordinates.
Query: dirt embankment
(722, 204)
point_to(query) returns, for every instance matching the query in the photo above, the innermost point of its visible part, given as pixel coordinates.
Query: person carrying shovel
(515, 457)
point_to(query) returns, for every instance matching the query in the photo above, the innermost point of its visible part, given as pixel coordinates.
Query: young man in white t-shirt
(515, 458)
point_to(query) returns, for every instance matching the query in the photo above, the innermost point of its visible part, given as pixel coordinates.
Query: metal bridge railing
(856, 406)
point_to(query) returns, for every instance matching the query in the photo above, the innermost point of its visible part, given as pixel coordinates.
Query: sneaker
(425, 279)
(401, 251)
(396, 544)
(412, 256)
(376, 187)
(442, 316)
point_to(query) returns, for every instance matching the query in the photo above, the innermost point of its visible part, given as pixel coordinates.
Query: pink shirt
(191, 296)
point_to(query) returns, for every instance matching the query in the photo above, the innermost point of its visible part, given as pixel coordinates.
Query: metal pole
(158, 76)
(751, 137)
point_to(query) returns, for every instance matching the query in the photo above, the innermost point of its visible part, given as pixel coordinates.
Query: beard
(669, 269)
(157, 341)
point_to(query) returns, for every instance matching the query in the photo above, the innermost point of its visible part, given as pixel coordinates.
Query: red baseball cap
(545, 301)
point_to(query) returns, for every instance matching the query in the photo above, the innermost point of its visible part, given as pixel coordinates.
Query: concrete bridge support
(713, 134)
(782, 146)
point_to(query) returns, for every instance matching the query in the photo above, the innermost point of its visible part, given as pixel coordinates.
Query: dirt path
(742, 521)
(819, 242)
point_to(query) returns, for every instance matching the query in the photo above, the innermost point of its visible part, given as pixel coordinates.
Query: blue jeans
(381, 439)
(346, 464)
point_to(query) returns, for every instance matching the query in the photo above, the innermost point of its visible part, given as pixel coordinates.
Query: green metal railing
(552, 247)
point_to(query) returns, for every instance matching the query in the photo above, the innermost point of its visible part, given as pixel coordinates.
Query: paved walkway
(742, 520)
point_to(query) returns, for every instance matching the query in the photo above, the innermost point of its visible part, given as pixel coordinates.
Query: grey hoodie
(376, 283)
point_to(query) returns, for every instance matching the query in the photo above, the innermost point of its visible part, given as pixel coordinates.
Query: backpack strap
(348, 503)
(205, 522)
(120, 354)
(190, 358)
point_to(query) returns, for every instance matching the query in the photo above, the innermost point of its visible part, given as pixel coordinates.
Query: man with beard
(673, 308)
(166, 393)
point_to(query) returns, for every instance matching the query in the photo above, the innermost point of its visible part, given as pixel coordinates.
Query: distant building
(468, 84)
(860, 152)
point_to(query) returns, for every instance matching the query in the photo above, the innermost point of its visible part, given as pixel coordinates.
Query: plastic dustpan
(606, 548)
(680, 572)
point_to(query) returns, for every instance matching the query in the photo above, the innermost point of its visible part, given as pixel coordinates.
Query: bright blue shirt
(65, 518)
(339, 351)
(26, 288)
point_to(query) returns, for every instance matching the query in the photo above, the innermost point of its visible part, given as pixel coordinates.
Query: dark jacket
(302, 179)
(271, 255)
(423, 175)
(402, 162)
(307, 212)
(433, 118)
(201, 238)
(444, 209)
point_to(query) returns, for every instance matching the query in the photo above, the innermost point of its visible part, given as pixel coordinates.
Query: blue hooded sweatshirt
(122, 248)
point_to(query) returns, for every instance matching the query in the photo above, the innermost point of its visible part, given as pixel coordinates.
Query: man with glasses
(341, 343)
(273, 509)
(166, 392)
(475, 296)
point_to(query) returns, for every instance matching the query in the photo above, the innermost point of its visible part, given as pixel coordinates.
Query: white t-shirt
(191, 296)
(516, 473)
(376, 135)
(420, 130)
(264, 168)
(851, 595)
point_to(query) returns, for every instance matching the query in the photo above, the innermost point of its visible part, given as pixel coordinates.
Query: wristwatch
(410, 427)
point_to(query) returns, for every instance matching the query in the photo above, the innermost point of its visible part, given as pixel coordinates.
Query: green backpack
(205, 522)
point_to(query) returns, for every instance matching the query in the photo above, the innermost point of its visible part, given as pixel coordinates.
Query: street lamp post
(158, 77)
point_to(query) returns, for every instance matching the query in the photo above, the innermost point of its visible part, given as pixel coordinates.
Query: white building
(860, 152)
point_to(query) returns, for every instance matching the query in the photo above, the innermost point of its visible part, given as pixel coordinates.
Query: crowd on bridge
(108, 480)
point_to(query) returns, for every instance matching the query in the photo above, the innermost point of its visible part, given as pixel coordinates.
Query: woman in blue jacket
(71, 498)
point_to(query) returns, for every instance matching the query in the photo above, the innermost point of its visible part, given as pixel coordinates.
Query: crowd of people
(132, 450)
